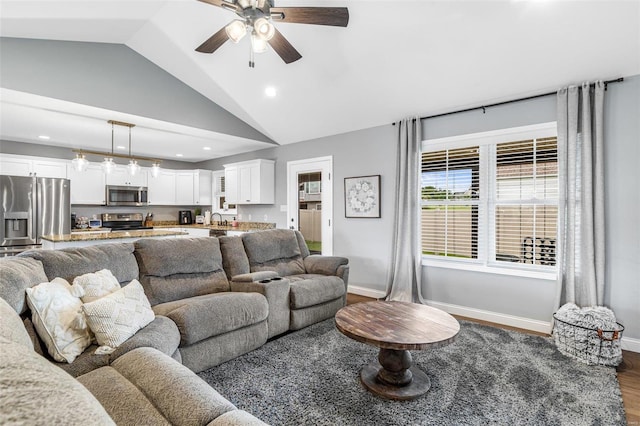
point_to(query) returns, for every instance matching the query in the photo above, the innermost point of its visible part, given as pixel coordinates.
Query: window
(492, 198)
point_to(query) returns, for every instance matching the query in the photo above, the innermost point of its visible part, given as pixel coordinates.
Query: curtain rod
(484, 107)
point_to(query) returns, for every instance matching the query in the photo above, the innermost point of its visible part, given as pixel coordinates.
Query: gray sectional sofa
(213, 298)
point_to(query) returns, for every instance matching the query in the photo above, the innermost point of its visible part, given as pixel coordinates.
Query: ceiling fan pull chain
(252, 64)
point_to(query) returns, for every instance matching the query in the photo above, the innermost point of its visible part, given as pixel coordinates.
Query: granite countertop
(114, 235)
(242, 226)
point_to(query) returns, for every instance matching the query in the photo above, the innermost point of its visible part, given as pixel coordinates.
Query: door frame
(308, 165)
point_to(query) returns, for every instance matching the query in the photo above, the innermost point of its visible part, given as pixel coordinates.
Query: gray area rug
(487, 376)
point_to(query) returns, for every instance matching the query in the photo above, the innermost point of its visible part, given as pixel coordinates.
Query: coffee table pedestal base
(394, 376)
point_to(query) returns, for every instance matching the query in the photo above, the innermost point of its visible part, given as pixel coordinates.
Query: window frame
(487, 142)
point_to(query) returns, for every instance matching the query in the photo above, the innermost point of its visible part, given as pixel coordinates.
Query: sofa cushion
(178, 268)
(16, 275)
(11, 326)
(58, 319)
(42, 393)
(201, 317)
(316, 290)
(118, 316)
(265, 246)
(71, 262)
(93, 286)
(234, 258)
(174, 391)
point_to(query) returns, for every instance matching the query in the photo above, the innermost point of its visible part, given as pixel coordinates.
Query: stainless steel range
(32, 207)
(124, 221)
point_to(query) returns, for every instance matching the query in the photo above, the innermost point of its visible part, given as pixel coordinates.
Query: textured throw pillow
(116, 317)
(93, 286)
(58, 320)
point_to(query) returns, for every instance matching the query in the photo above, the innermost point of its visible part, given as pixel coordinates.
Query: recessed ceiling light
(178, 155)
(121, 147)
(207, 148)
(270, 91)
(45, 137)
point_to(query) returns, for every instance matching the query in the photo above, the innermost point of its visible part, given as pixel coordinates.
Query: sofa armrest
(161, 334)
(276, 291)
(255, 276)
(174, 391)
(237, 418)
(324, 265)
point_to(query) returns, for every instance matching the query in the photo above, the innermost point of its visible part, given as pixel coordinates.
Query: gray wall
(114, 77)
(367, 241)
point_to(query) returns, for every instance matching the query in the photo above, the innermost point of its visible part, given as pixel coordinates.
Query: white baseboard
(630, 344)
(496, 317)
(367, 292)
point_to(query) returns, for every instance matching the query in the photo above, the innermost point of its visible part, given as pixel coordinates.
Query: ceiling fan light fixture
(80, 163)
(236, 30)
(258, 45)
(264, 29)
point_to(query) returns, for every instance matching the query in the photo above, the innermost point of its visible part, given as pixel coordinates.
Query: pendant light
(133, 167)
(80, 163)
(108, 165)
(155, 169)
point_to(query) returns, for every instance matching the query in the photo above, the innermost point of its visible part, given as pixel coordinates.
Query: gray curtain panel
(406, 263)
(581, 179)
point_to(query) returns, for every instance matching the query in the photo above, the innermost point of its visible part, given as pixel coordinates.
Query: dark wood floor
(628, 371)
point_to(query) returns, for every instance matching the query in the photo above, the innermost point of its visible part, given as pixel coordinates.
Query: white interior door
(324, 166)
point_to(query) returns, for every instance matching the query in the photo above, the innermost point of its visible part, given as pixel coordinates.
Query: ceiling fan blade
(281, 45)
(335, 16)
(214, 42)
(223, 4)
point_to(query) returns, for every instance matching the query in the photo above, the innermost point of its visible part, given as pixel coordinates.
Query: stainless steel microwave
(127, 195)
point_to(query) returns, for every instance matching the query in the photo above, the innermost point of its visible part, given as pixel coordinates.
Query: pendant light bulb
(133, 167)
(80, 163)
(155, 169)
(108, 165)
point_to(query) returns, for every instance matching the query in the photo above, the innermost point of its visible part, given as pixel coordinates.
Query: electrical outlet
(283, 208)
(249, 217)
(265, 218)
(239, 216)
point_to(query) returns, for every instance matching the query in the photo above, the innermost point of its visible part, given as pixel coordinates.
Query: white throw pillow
(116, 317)
(93, 286)
(58, 319)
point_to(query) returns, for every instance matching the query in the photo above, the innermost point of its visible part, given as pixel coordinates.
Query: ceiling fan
(255, 18)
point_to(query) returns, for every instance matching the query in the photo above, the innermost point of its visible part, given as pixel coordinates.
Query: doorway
(310, 202)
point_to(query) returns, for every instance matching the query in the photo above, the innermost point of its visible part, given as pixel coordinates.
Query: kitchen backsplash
(160, 213)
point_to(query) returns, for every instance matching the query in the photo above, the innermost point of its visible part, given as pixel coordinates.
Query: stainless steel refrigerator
(32, 207)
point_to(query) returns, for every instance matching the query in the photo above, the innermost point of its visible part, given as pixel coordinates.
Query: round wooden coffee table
(396, 328)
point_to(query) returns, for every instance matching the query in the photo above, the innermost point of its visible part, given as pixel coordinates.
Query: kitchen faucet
(216, 213)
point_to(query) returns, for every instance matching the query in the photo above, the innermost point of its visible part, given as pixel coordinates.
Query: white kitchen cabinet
(193, 232)
(23, 165)
(162, 189)
(250, 182)
(202, 188)
(121, 177)
(185, 182)
(87, 187)
(50, 168)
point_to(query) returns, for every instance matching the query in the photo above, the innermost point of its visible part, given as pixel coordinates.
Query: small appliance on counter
(200, 219)
(185, 217)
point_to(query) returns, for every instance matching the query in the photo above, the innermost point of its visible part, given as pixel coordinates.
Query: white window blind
(492, 198)
(526, 201)
(450, 194)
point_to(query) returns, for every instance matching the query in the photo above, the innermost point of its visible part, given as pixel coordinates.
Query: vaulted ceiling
(395, 59)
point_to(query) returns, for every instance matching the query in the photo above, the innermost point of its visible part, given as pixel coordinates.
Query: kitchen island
(83, 239)
(215, 229)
